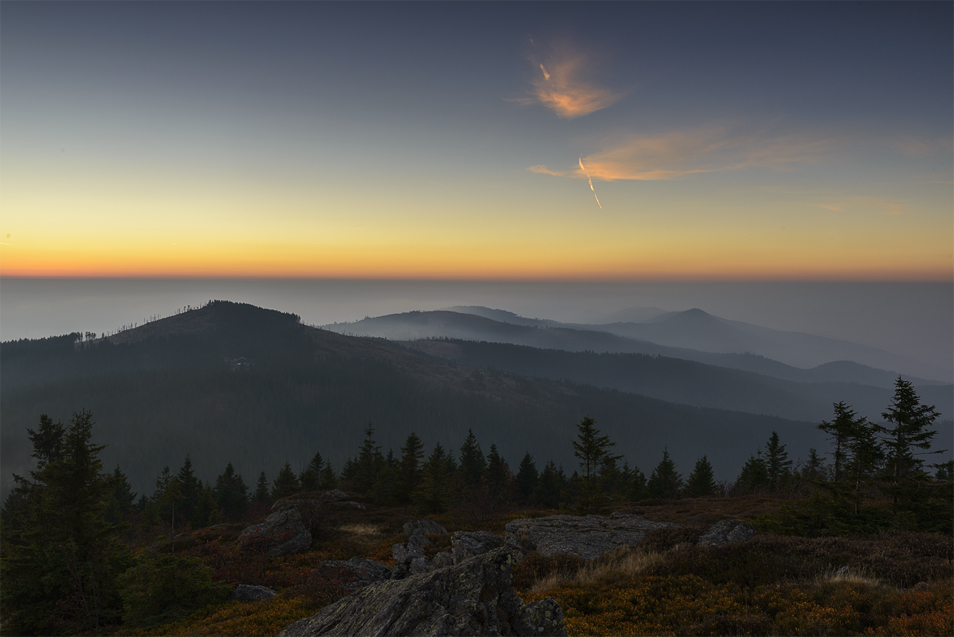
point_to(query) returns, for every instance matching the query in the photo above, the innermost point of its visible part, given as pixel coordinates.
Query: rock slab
(251, 593)
(475, 597)
(282, 532)
(589, 536)
(725, 532)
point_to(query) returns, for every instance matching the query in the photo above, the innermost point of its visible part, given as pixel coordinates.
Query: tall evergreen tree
(549, 487)
(190, 491)
(839, 431)
(776, 462)
(593, 452)
(286, 483)
(369, 462)
(328, 479)
(408, 475)
(231, 494)
(123, 500)
(701, 481)
(472, 462)
(665, 482)
(309, 477)
(435, 489)
(497, 481)
(907, 435)
(527, 478)
(754, 477)
(59, 568)
(261, 488)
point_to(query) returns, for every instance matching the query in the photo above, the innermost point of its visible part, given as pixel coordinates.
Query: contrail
(590, 179)
(546, 75)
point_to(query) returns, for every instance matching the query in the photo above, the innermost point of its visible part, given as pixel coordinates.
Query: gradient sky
(471, 140)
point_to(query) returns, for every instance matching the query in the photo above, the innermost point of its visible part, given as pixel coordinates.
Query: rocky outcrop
(282, 532)
(409, 557)
(423, 527)
(357, 572)
(334, 497)
(725, 532)
(467, 544)
(251, 593)
(472, 598)
(587, 536)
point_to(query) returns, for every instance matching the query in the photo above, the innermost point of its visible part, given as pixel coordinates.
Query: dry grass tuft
(622, 563)
(848, 577)
(362, 533)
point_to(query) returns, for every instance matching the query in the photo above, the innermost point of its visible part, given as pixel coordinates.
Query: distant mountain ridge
(726, 344)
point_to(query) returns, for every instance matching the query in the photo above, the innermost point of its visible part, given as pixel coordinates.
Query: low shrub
(166, 587)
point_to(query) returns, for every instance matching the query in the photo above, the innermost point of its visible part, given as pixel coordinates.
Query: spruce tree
(701, 481)
(665, 482)
(328, 479)
(839, 430)
(776, 462)
(309, 477)
(369, 462)
(261, 488)
(527, 478)
(408, 475)
(472, 462)
(497, 481)
(231, 494)
(908, 430)
(286, 483)
(593, 452)
(435, 488)
(549, 487)
(59, 568)
(754, 477)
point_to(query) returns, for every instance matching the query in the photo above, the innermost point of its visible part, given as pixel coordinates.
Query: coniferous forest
(854, 535)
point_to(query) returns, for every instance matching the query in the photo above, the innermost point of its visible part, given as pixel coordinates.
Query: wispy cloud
(922, 147)
(681, 153)
(566, 86)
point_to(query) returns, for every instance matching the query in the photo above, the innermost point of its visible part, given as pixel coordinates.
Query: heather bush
(166, 587)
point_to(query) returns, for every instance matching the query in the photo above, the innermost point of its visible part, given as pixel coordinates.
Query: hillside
(160, 392)
(682, 381)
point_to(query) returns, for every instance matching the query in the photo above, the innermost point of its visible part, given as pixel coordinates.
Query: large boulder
(282, 532)
(472, 598)
(467, 544)
(251, 593)
(588, 536)
(356, 572)
(424, 527)
(725, 532)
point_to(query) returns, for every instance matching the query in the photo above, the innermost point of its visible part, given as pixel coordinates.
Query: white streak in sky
(590, 179)
(545, 74)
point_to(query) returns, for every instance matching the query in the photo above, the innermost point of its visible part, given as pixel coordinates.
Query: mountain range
(233, 382)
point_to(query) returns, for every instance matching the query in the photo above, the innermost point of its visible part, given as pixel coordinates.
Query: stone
(588, 537)
(282, 532)
(475, 597)
(251, 593)
(357, 572)
(725, 532)
(333, 497)
(467, 544)
(423, 527)
(405, 553)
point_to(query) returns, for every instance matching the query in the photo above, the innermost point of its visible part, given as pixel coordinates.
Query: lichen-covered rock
(406, 553)
(251, 593)
(423, 527)
(282, 532)
(472, 598)
(334, 497)
(725, 532)
(356, 572)
(587, 536)
(467, 544)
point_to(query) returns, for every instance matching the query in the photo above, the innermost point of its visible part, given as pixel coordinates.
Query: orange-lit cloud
(565, 85)
(681, 153)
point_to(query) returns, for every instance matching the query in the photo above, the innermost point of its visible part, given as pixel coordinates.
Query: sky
(481, 141)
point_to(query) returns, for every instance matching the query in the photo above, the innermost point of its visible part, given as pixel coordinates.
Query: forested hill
(230, 382)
